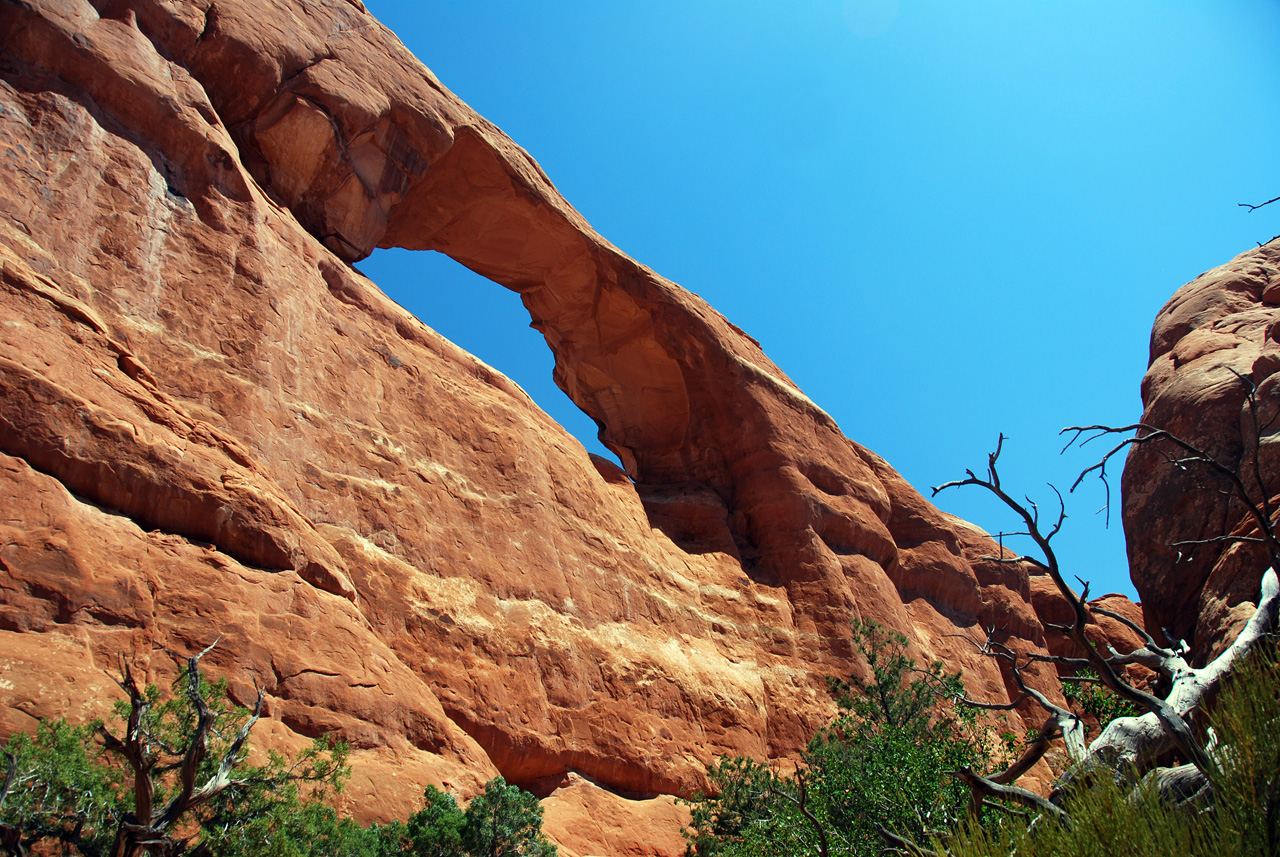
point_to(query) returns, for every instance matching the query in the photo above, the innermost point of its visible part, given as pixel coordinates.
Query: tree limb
(904, 845)
(990, 788)
(1259, 205)
(824, 849)
(1170, 719)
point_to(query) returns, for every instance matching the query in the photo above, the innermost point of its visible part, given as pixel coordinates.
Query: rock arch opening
(484, 318)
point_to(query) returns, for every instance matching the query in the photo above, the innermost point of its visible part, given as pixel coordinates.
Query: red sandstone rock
(213, 426)
(587, 820)
(1213, 331)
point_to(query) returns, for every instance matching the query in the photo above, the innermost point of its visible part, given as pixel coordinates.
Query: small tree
(436, 829)
(504, 821)
(175, 781)
(172, 780)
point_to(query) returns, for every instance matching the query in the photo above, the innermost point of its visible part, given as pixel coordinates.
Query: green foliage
(276, 808)
(1104, 820)
(436, 829)
(883, 760)
(70, 792)
(62, 791)
(293, 827)
(1246, 789)
(898, 695)
(1088, 695)
(740, 804)
(81, 789)
(502, 821)
(281, 810)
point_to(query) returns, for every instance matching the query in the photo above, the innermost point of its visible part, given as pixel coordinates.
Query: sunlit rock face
(1215, 340)
(212, 427)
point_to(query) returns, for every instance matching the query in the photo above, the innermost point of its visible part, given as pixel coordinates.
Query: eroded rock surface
(212, 426)
(1216, 337)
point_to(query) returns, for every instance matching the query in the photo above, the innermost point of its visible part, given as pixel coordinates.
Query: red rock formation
(212, 426)
(1213, 332)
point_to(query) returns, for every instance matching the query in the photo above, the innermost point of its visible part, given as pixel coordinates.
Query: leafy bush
(502, 821)
(883, 760)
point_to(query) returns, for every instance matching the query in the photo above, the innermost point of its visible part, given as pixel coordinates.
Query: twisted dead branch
(1131, 746)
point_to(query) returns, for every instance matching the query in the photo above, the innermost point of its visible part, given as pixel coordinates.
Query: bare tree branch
(1259, 205)
(1033, 753)
(133, 747)
(149, 827)
(1173, 722)
(989, 788)
(221, 780)
(1260, 512)
(1132, 626)
(905, 845)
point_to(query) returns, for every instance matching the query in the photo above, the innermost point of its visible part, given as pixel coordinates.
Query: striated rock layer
(1217, 336)
(211, 426)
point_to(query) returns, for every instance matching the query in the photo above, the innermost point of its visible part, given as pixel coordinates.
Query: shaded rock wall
(212, 426)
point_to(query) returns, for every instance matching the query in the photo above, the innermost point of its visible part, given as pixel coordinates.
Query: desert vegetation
(171, 777)
(895, 773)
(1188, 765)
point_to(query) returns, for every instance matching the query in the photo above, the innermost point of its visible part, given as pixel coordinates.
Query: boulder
(1214, 341)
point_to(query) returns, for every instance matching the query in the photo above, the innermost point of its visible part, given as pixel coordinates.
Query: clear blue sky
(944, 220)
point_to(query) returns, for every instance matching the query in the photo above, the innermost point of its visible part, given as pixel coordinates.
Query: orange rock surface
(1216, 336)
(212, 427)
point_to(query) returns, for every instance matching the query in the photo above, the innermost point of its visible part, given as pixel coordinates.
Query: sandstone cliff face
(212, 426)
(1217, 335)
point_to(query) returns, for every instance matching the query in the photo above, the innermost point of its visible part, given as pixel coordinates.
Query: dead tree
(1130, 746)
(1259, 205)
(181, 761)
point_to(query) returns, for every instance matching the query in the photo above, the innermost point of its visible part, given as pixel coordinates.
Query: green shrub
(502, 821)
(883, 760)
(436, 829)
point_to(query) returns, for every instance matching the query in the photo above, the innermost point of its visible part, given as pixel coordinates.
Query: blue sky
(944, 220)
